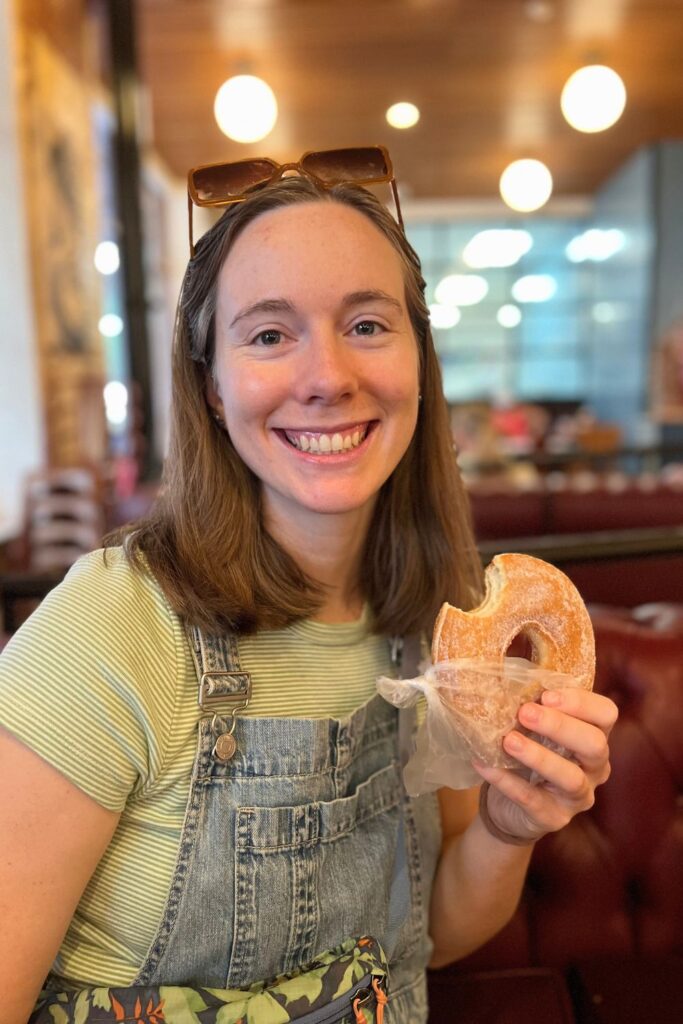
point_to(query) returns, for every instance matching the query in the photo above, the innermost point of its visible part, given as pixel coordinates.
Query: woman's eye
(268, 338)
(367, 328)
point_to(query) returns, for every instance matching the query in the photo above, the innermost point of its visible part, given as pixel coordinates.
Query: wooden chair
(64, 517)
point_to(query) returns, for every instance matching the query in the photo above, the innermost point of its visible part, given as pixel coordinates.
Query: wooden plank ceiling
(486, 74)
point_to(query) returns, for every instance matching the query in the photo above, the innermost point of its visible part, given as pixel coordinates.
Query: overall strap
(223, 688)
(406, 654)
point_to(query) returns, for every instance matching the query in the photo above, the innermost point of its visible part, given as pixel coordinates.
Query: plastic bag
(471, 706)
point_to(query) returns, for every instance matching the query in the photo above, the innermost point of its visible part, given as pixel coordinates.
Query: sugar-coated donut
(523, 595)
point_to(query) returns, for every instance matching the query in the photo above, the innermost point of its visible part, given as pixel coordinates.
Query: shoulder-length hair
(205, 540)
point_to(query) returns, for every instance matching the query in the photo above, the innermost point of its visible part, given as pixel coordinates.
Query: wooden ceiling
(486, 74)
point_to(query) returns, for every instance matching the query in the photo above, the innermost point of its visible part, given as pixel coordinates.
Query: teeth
(327, 444)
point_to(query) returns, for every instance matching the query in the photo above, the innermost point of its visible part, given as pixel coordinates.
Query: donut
(524, 595)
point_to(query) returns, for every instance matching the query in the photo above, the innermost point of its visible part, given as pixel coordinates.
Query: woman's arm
(479, 878)
(478, 881)
(52, 837)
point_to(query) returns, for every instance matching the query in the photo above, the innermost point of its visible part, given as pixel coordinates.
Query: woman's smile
(332, 441)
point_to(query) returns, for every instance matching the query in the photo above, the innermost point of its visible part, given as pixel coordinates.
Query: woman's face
(316, 360)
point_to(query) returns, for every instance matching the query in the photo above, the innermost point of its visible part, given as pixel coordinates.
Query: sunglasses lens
(224, 181)
(335, 165)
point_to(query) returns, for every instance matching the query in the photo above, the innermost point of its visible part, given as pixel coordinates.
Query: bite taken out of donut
(524, 595)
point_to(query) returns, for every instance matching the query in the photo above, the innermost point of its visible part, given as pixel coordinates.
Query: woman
(311, 511)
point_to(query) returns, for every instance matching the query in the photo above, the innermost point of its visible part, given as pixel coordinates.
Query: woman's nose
(327, 370)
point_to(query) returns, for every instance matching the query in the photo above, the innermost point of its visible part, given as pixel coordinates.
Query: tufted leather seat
(602, 910)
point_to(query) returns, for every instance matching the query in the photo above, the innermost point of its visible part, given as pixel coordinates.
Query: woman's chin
(307, 509)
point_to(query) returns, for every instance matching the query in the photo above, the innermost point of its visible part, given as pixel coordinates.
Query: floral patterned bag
(346, 985)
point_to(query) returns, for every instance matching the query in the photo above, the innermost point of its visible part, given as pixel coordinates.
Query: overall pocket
(307, 876)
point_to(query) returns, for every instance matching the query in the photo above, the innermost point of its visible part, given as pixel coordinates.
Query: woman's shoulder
(107, 580)
(110, 568)
(101, 659)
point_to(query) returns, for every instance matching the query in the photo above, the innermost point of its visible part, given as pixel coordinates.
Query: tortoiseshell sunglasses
(222, 184)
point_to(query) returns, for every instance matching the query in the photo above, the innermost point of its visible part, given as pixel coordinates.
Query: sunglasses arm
(394, 189)
(189, 223)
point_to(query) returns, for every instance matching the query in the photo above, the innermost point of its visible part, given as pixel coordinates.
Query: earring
(419, 397)
(219, 419)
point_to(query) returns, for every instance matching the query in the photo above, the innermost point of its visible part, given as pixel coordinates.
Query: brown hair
(205, 540)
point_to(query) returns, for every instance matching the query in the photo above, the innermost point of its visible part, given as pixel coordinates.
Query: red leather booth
(509, 513)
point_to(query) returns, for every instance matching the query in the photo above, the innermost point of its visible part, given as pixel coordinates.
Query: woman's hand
(579, 721)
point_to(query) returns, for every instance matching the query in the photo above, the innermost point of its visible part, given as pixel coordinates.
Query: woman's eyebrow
(371, 295)
(357, 298)
(264, 306)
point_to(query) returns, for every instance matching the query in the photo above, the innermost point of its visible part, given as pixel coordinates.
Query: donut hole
(521, 647)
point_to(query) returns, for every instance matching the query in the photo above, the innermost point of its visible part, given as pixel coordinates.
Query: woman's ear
(214, 401)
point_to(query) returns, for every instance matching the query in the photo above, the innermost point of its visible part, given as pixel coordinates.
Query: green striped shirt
(100, 683)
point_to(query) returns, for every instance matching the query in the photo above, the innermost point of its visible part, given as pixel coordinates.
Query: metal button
(225, 747)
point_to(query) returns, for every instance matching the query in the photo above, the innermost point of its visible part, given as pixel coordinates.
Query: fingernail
(530, 712)
(552, 699)
(514, 742)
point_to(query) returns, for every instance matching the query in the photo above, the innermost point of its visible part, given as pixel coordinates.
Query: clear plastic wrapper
(471, 705)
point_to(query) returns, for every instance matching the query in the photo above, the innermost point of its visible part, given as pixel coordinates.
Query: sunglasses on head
(225, 183)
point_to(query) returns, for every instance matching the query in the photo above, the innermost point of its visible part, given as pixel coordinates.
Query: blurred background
(555, 298)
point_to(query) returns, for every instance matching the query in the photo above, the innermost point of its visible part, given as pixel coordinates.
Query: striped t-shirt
(105, 662)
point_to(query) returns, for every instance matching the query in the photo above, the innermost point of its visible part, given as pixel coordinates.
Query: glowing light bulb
(110, 325)
(534, 288)
(596, 244)
(526, 185)
(116, 402)
(245, 108)
(593, 98)
(403, 115)
(496, 247)
(107, 259)
(443, 317)
(509, 315)
(461, 290)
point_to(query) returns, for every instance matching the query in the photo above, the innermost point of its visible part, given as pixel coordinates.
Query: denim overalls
(302, 838)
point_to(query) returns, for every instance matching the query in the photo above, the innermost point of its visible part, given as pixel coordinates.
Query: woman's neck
(329, 550)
